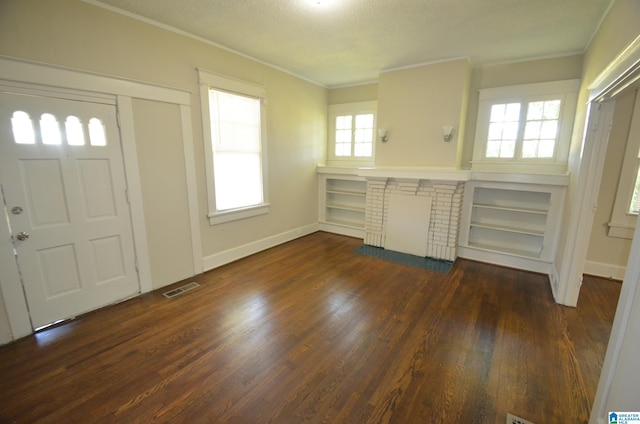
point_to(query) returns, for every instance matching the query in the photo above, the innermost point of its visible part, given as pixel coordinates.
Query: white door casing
(64, 81)
(79, 254)
(620, 371)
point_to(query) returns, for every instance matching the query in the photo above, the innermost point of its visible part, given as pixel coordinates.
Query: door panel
(59, 269)
(45, 196)
(107, 254)
(97, 188)
(61, 162)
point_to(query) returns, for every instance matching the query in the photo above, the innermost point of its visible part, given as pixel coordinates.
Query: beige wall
(413, 106)
(354, 93)
(616, 32)
(162, 177)
(74, 34)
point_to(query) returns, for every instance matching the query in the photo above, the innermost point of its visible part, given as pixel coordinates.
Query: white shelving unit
(511, 224)
(342, 204)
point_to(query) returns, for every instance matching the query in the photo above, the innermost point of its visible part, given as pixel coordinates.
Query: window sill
(621, 231)
(350, 162)
(238, 214)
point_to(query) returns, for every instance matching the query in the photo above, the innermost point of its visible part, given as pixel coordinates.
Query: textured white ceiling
(341, 42)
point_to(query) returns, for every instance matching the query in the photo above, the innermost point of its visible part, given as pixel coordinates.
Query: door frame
(621, 72)
(63, 81)
(615, 78)
(611, 81)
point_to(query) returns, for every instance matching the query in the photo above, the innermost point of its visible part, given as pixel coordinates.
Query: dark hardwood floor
(309, 332)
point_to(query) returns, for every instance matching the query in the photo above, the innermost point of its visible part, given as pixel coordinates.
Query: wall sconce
(447, 131)
(383, 135)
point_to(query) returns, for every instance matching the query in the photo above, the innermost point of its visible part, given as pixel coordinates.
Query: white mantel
(446, 174)
(440, 174)
(437, 174)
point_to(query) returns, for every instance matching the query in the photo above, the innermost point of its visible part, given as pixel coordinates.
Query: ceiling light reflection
(324, 4)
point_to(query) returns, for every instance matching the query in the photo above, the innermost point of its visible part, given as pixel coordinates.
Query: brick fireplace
(437, 226)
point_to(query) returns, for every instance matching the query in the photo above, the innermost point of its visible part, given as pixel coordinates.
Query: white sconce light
(383, 135)
(447, 131)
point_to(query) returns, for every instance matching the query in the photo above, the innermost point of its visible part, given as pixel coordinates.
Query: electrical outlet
(512, 419)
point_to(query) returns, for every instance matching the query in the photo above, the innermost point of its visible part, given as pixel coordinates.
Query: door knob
(22, 235)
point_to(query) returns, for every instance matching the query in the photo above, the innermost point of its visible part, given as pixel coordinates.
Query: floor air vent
(180, 290)
(512, 419)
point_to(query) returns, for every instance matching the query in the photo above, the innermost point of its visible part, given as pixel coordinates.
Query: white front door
(61, 170)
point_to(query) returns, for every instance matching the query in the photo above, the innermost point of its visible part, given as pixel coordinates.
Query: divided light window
(234, 122)
(530, 128)
(525, 128)
(354, 135)
(352, 128)
(52, 133)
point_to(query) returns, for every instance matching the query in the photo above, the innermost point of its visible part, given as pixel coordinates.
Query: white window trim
(357, 108)
(209, 80)
(566, 90)
(623, 223)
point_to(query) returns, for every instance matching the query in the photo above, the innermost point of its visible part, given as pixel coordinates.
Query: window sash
(351, 133)
(245, 171)
(533, 149)
(237, 156)
(354, 135)
(516, 132)
(234, 122)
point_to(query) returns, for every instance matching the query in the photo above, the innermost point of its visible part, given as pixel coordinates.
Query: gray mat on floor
(436, 265)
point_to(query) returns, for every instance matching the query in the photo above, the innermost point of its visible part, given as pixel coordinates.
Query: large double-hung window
(233, 115)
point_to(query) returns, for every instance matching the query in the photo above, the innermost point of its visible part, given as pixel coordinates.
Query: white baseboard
(505, 259)
(218, 259)
(342, 229)
(600, 269)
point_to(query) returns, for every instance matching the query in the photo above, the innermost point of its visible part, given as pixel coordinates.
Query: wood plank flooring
(310, 332)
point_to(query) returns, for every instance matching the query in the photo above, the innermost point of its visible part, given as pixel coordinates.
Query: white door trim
(192, 188)
(623, 69)
(24, 72)
(14, 298)
(134, 187)
(600, 116)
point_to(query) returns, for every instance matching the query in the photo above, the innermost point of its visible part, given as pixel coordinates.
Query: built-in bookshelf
(512, 224)
(342, 204)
